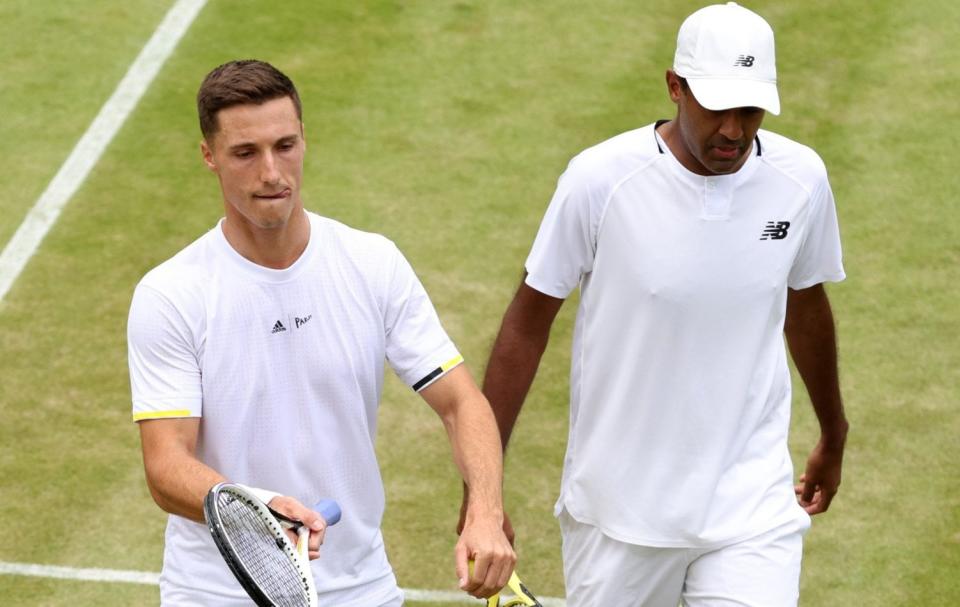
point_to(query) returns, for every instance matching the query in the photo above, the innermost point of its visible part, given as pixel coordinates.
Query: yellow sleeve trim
(453, 362)
(161, 414)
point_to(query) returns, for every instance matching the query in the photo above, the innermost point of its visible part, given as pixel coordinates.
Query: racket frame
(522, 595)
(276, 523)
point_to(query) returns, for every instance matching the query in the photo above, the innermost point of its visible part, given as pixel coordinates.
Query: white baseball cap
(726, 54)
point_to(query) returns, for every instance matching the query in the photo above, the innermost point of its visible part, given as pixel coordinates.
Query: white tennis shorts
(763, 571)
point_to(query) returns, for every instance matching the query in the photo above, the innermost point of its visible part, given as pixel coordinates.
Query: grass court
(444, 125)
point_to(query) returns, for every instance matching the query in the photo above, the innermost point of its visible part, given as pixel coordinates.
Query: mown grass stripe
(94, 141)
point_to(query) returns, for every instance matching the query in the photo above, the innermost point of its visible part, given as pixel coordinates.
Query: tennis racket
(522, 597)
(252, 540)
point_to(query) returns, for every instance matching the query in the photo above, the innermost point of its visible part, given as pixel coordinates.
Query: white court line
(73, 573)
(146, 577)
(88, 150)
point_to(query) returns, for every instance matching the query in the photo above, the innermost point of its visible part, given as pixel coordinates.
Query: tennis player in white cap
(697, 243)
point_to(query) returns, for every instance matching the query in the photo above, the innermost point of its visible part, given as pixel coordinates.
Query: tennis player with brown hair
(257, 356)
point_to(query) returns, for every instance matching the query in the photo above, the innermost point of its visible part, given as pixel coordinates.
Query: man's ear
(674, 88)
(303, 135)
(207, 153)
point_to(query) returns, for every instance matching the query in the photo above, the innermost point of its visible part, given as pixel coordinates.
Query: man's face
(257, 154)
(714, 142)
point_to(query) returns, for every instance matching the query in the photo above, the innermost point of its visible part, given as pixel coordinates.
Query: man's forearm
(472, 431)
(180, 487)
(811, 337)
(516, 355)
(478, 456)
(178, 481)
(510, 372)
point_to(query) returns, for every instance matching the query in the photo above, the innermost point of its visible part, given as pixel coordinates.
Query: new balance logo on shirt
(775, 230)
(744, 61)
(277, 328)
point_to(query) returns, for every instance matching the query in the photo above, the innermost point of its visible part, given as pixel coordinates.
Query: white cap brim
(727, 93)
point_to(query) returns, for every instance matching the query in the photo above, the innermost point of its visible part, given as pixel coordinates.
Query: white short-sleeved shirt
(680, 389)
(285, 368)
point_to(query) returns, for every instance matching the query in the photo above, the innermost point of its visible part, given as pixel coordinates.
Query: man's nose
(268, 169)
(731, 124)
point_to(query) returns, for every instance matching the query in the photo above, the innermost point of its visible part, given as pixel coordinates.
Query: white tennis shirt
(285, 368)
(680, 389)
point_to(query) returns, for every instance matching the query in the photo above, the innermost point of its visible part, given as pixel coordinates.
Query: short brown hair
(238, 83)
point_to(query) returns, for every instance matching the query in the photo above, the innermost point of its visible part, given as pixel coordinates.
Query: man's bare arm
(811, 337)
(472, 431)
(516, 354)
(513, 364)
(178, 481)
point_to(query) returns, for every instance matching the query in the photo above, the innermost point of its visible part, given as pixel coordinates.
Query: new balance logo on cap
(744, 61)
(277, 328)
(775, 230)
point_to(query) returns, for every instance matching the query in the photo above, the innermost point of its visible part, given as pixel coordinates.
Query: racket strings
(258, 549)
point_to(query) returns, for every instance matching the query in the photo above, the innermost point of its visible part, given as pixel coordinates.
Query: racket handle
(330, 510)
(303, 543)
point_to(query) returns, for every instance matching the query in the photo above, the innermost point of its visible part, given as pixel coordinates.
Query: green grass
(444, 125)
(61, 61)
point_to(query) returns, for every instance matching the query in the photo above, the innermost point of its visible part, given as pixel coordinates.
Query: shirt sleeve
(164, 369)
(417, 347)
(564, 248)
(820, 257)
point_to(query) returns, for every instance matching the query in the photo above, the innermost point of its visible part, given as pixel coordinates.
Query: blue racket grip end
(330, 510)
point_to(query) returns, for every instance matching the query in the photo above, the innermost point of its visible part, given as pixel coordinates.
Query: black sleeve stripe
(453, 362)
(426, 380)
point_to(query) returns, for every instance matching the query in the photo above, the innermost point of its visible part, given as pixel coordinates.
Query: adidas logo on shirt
(278, 328)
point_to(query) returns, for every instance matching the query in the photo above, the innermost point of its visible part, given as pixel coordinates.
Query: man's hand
(292, 509)
(819, 483)
(483, 542)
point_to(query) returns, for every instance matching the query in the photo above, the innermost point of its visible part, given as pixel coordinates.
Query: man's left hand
(293, 509)
(484, 543)
(821, 480)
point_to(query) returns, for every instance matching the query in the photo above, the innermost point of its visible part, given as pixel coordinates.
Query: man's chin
(723, 166)
(263, 213)
(265, 217)
(274, 221)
